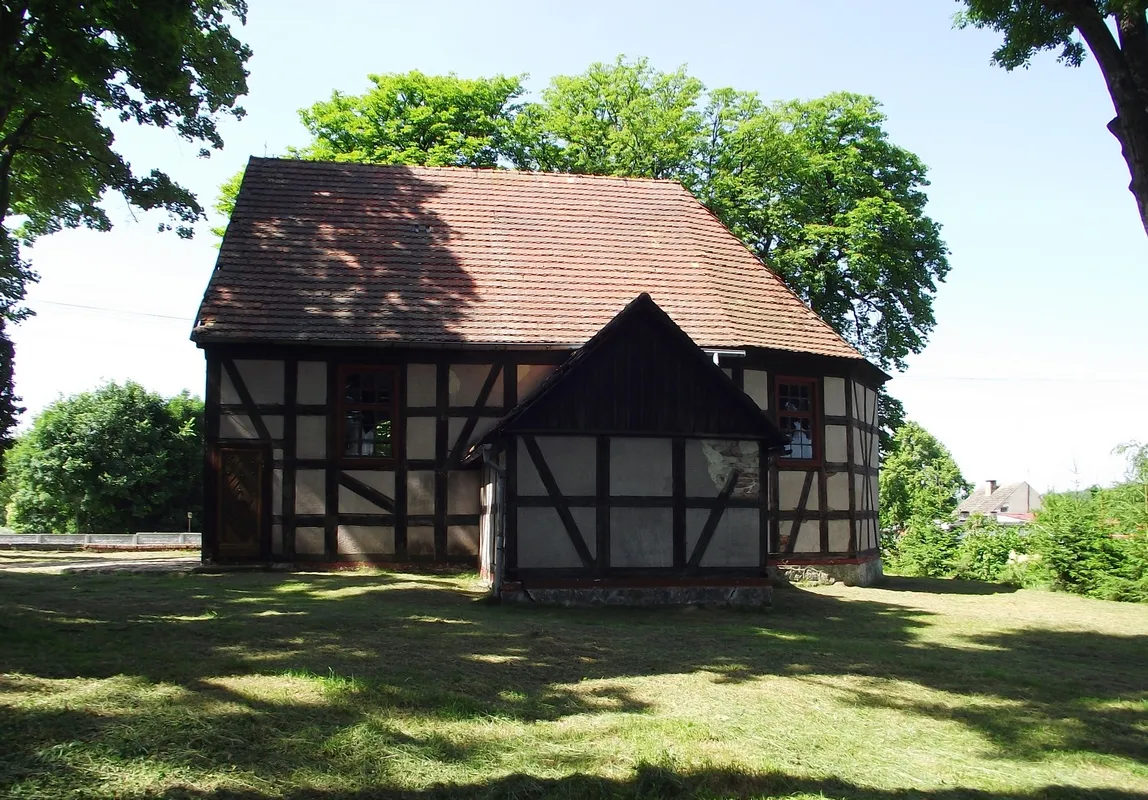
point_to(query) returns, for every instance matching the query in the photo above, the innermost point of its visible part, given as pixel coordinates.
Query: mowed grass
(363, 685)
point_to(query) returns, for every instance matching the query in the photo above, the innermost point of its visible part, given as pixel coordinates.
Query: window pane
(795, 396)
(800, 432)
(367, 433)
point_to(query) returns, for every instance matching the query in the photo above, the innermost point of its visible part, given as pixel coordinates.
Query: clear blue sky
(1037, 365)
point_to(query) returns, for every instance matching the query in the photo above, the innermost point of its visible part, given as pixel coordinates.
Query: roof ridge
(529, 173)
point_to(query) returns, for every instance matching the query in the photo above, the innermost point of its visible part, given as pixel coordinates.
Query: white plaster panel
(366, 539)
(530, 375)
(352, 503)
(310, 541)
(641, 537)
(837, 487)
(421, 385)
(454, 427)
(311, 383)
(311, 437)
(420, 541)
(839, 536)
(834, 389)
(462, 492)
(264, 380)
(465, 384)
(227, 393)
(808, 537)
(277, 491)
(571, 460)
(420, 437)
(240, 426)
(378, 479)
(544, 542)
(789, 485)
(874, 494)
(867, 496)
(420, 492)
(858, 449)
(462, 540)
(641, 467)
(311, 491)
(277, 453)
(736, 541)
(276, 540)
(756, 384)
(836, 449)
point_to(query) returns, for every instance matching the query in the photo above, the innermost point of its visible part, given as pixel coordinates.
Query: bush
(983, 554)
(1075, 545)
(119, 459)
(925, 550)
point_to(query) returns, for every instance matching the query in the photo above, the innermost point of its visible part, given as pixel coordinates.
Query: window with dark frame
(368, 412)
(796, 417)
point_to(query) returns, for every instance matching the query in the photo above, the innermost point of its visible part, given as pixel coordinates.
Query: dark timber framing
(454, 427)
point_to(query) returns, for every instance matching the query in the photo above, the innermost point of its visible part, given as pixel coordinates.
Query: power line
(107, 310)
(1018, 379)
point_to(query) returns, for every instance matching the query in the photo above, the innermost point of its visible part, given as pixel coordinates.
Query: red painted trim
(816, 425)
(342, 406)
(635, 582)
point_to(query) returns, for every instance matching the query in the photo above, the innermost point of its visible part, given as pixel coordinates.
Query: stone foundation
(863, 573)
(740, 596)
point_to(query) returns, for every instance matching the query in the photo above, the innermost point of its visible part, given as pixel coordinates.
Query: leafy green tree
(119, 459)
(614, 119)
(412, 118)
(919, 479)
(1116, 31)
(1075, 545)
(66, 70)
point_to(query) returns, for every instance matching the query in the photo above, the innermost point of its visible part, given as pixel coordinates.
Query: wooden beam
(712, 521)
(245, 399)
(290, 451)
(456, 452)
(602, 504)
(797, 520)
(367, 492)
(547, 478)
(852, 465)
(442, 431)
(678, 483)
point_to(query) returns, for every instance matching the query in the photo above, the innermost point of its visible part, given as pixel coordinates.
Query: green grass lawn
(363, 685)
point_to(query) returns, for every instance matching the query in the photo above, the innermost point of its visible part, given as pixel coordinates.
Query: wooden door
(243, 527)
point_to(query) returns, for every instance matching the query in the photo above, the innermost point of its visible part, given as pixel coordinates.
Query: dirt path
(79, 561)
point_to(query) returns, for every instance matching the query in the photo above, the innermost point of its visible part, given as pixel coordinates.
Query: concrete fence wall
(151, 540)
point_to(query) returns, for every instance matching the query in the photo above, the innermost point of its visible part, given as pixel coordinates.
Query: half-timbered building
(590, 380)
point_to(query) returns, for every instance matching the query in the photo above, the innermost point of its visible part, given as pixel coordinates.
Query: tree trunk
(1124, 66)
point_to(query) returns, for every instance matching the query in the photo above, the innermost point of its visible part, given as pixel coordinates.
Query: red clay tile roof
(326, 252)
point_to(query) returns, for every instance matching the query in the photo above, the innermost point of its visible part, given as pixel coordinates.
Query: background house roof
(328, 252)
(981, 502)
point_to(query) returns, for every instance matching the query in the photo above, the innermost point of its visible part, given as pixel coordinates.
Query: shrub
(925, 550)
(984, 550)
(1077, 551)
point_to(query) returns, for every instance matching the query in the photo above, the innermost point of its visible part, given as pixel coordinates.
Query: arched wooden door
(243, 527)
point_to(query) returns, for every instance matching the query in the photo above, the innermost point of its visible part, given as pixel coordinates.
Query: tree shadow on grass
(945, 586)
(653, 782)
(359, 654)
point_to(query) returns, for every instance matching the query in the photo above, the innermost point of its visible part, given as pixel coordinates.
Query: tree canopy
(118, 459)
(1116, 31)
(815, 188)
(68, 70)
(920, 481)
